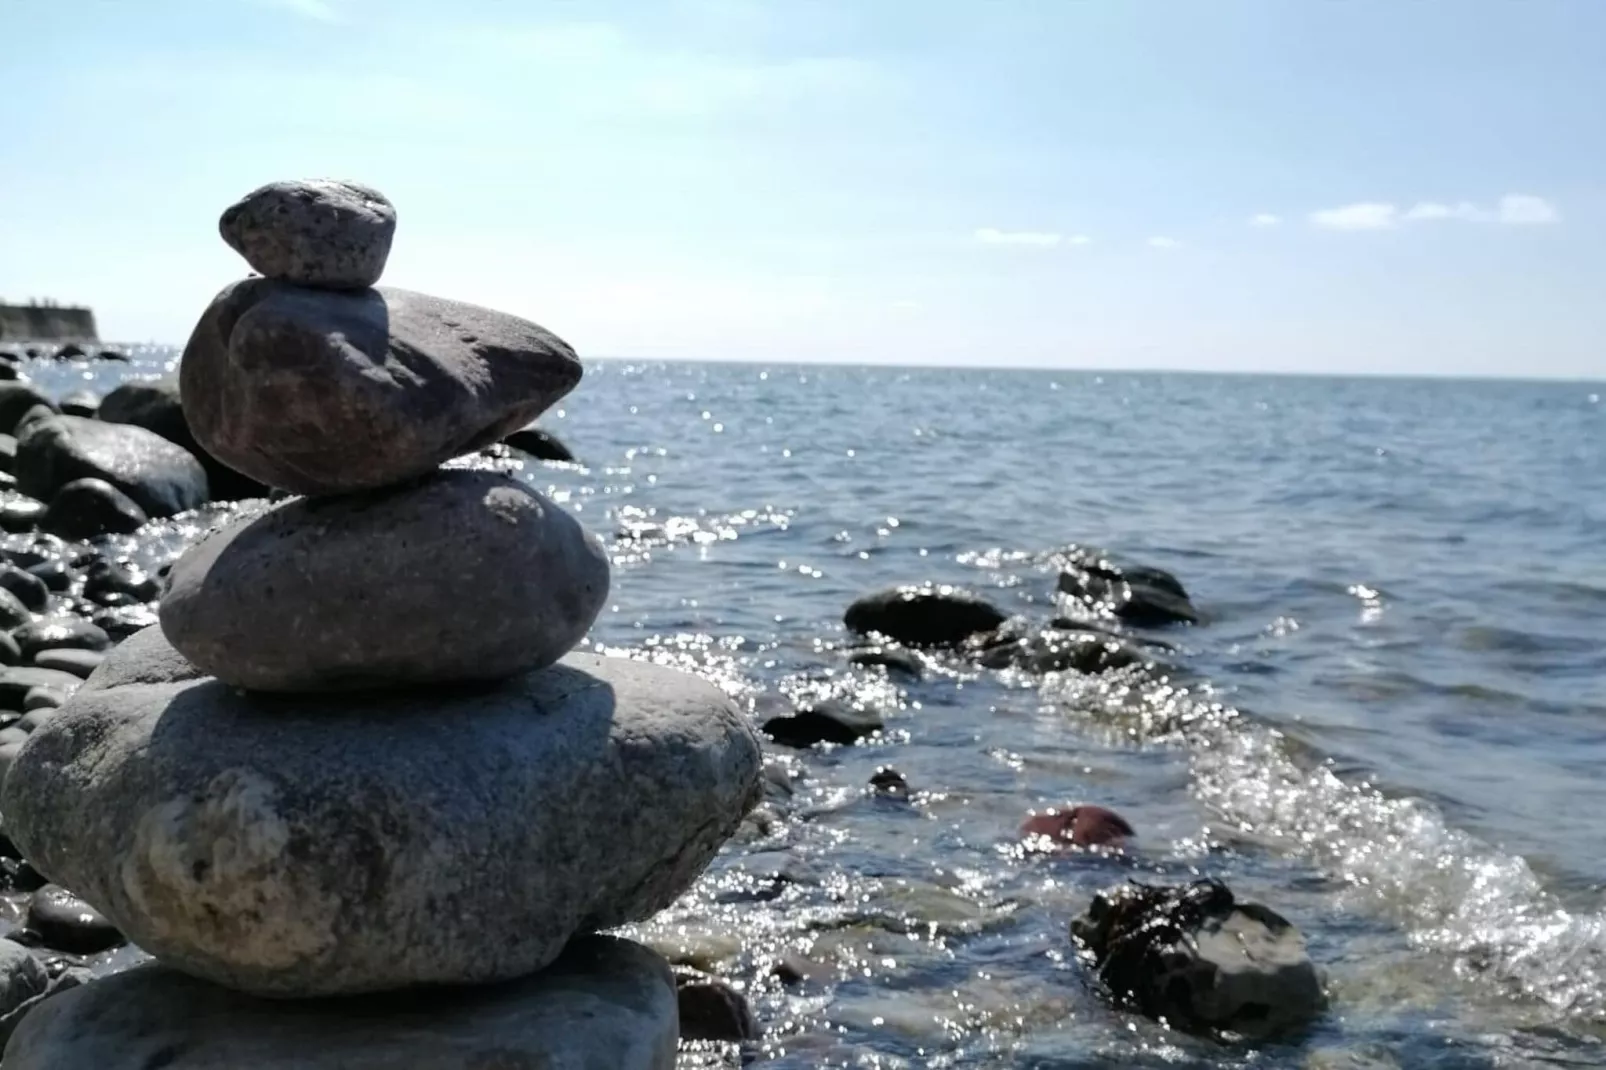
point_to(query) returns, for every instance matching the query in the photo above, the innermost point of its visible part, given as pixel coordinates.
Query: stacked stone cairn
(357, 757)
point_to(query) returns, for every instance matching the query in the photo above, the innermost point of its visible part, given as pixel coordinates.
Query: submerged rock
(1078, 826)
(369, 590)
(605, 1003)
(923, 616)
(1056, 651)
(710, 1009)
(1195, 957)
(1140, 595)
(826, 722)
(350, 843)
(160, 477)
(890, 658)
(325, 392)
(314, 232)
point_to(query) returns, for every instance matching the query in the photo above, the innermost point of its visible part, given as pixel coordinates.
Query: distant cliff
(46, 323)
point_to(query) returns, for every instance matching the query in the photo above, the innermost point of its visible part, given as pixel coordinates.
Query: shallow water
(1388, 729)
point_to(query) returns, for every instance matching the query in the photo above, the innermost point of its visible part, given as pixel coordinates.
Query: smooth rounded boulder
(313, 232)
(161, 478)
(317, 845)
(86, 508)
(325, 392)
(463, 576)
(606, 1003)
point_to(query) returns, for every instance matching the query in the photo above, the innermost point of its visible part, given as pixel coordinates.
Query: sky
(1372, 186)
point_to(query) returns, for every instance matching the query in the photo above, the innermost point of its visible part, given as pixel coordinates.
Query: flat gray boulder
(465, 576)
(324, 392)
(315, 232)
(607, 1003)
(160, 477)
(316, 845)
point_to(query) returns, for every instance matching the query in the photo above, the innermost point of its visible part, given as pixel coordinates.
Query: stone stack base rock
(356, 793)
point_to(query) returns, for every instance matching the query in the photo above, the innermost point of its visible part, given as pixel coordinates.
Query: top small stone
(317, 232)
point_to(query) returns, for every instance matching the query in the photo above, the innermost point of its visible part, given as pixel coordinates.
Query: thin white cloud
(1039, 238)
(1079, 239)
(317, 10)
(1368, 215)
(1521, 209)
(1514, 209)
(1264, 219)
(1160, 241)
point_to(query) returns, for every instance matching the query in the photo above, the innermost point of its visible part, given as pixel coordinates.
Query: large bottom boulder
(1202, 961)
(325, 844)
(605, 1003)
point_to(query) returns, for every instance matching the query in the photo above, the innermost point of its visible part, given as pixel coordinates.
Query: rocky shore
(284, 805)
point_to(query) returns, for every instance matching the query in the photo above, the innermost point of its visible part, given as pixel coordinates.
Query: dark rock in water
(923, 616)
(161, 477)
(17, 680)
(71, 351)
(889, 658)
(606, 1004)
(9, 372)
(888, 783)
(8, 453)
(53, 573)
(68, 633)
(156, 406)
(542, 445)
(86, 508)
(13, 614)
(10, 652)
(103, 578)
(1137, 594)
(67, 923)
(1053, 651)
(313, 232)
(22, 976)
(81, 403)
(407, 556)
(710, 1009)
(1194, 956)
(16, 399)
(29, 589)
(1079, 826)
(827, 722)
(326, 844)
(325, 392)
(110, 353)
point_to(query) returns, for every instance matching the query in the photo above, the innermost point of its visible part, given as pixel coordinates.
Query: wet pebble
(19, 514)
(79, 663)
(85, 508)
(25, 587)
(53, 573)
(888, 783)
(60, 633)
(17, 680)
(65, 922)
(103, 579)
(13, 614)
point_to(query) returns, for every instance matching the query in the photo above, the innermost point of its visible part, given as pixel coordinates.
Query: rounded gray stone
(314, 232)
(319, 392)
(54, 451)
(465, 576)
(22, 976)
(315, 845)
(606, 1003)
